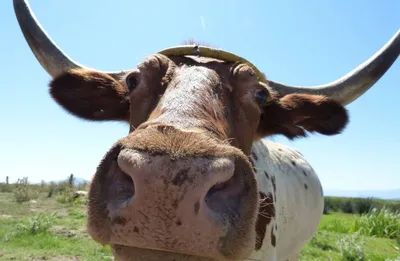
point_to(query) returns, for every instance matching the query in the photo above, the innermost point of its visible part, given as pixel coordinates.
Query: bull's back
(298, 195)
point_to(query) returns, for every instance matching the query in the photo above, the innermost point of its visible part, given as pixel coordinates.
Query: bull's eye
(132, 81)
(263, 97)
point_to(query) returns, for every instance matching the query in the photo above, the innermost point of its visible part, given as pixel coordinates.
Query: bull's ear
(91, 95)
(294, 114)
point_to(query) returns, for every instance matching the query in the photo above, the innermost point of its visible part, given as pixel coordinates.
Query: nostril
(126, 192)
(221, 187)
(126, 178)
(128, 181)
(122, 189)
(225, 197)
(223, 192)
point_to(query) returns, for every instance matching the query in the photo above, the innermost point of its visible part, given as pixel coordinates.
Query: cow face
(180, 186)
(224, 99)
(181, 181)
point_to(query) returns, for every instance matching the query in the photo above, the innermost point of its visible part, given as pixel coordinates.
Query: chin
(127, 253)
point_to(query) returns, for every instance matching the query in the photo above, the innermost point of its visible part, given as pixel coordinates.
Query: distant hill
(393, 194)
(80, 180)
(77, 180)
(382, 194)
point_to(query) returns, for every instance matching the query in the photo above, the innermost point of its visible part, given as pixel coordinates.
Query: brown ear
(91, 95)
(294, 114)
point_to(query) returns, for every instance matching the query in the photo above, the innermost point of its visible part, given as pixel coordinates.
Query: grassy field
(337, 240)
(46, 229)
(50, 226)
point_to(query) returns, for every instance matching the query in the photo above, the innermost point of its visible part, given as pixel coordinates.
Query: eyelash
(132, 81)
(263, 97)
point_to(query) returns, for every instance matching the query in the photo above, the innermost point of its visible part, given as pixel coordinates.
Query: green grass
(54, 229)
(339, 227)
(46, 230)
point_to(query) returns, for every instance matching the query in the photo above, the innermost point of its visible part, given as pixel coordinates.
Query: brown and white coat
(194, 179)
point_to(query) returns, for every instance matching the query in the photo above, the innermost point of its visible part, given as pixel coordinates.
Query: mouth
(128, 253)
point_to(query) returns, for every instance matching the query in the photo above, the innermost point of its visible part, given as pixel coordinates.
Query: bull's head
(180, 186)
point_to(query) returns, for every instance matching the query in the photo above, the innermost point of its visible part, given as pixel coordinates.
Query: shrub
(336, 226)
(332, 204)
(351, 247)
(4, 187)
(38, 224)
(23, 192)
(397, 259)
(394, 206)
(62, 187)
(67, 196)
(346, 206)
(380, 223)
(326, 210)
(51, 189)
(363, 205)
(358, 205)
(81, 201)
(321, 241)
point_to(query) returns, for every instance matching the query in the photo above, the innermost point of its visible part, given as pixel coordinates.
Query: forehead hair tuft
(195, 42)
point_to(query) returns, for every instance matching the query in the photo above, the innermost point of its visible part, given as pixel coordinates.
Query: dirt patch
(60, 212)
(58, 258)
(62, 258)
(68, 232)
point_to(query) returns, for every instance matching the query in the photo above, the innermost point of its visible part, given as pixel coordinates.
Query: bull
(195, 179)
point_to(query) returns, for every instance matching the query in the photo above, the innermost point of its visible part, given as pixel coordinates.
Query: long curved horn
(351, 86)
(49, 55)
(345, 90)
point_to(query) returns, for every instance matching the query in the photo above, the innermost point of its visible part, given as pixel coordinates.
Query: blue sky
(295, 42)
